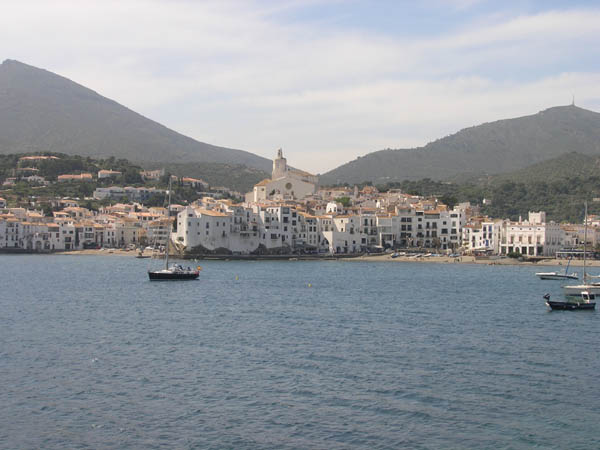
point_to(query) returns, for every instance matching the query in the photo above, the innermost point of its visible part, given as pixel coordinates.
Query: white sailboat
(558, 275)
(575, 291)
(176, 271)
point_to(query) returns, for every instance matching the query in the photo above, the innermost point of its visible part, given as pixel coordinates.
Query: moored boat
(557, 276)
(575, 291)
(586, 301)
(175, 272)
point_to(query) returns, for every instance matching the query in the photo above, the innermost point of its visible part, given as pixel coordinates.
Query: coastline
(362, 258)
(473, 260)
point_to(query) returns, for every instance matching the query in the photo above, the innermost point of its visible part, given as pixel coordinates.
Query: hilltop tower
(279, 166)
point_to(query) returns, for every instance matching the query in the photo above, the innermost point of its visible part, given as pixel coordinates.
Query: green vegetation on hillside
(234, 176)
(21, 193)
(50, 169)
(562, 199)
(490, 148)
(558, 186)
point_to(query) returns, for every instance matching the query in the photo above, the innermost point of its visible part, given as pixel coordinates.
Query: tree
(131, 176)
(345, 201)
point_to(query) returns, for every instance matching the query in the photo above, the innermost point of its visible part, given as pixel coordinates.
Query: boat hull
(574, 291)
(164, 276)
(553, 276)
(570, 306)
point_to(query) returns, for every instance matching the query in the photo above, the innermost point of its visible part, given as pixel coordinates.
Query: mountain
(490, 148)
(42, 111)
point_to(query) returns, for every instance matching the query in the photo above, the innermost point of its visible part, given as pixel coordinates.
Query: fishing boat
(176, 271)
(586, 301)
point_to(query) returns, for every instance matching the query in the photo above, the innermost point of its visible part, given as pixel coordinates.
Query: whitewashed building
(532, 237)
(482, 234)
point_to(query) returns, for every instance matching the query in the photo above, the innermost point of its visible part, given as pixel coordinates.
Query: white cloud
(231, 74)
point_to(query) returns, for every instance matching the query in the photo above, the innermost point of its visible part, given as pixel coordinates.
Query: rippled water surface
(291, 355)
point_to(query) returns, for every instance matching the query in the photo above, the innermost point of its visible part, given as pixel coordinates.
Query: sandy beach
(384, 258)
(474, 260)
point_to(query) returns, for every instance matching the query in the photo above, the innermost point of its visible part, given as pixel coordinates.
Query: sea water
(298, 354)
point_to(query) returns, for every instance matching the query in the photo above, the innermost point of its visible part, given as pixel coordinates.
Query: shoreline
(494, 261)
(363, 258)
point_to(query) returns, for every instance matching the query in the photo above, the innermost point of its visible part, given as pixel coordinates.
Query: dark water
(373, 355)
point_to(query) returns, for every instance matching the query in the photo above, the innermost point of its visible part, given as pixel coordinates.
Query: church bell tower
(279, 166)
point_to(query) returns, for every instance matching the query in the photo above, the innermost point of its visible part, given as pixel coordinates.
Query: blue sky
(327, 80)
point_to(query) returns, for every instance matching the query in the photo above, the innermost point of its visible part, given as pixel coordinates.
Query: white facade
(533, 237)
(102, 174)
(133, 194)
(433, 228)
(482, 235)
(343, 234)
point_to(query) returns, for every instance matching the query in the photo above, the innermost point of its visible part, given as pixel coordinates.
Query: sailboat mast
(585, 241)
(170, 228)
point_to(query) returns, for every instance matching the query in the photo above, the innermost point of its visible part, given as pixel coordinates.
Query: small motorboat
(587, 301)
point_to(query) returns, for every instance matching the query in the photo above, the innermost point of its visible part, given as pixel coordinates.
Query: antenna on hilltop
(573, 102)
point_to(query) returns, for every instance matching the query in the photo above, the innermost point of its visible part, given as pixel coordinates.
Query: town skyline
(286, 214)
(327, 81)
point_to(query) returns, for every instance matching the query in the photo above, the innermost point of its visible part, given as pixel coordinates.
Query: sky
(326, 80)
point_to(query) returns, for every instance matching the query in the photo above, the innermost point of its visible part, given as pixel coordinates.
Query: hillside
(233, 176)
(491, 148)
(42, 111)
(558, 186)
(569, 165)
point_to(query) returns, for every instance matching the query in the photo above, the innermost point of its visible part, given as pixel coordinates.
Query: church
(286, 183)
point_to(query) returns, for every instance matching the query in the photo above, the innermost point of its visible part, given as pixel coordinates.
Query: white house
(482, 234)
(108, 174)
